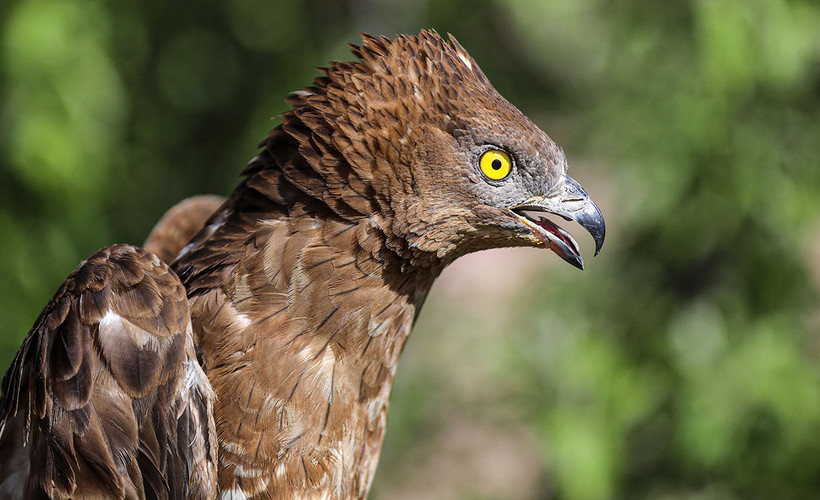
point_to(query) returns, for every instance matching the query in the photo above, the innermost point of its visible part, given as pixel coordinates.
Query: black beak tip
(599, 237)
(593, 221)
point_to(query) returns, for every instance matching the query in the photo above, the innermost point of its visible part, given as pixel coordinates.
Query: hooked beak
(572, 204)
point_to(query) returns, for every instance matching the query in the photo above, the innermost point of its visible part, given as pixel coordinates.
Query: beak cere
(572, 204)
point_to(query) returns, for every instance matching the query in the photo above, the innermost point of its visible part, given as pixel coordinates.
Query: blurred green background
(683, 363)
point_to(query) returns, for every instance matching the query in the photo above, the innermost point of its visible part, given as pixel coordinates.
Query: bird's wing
(180, 224)
(105, 399)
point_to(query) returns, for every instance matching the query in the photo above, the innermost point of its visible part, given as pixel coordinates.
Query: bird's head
(414, 137)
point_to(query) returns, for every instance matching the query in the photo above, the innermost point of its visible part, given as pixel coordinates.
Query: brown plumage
(106, 393)
(304, 285)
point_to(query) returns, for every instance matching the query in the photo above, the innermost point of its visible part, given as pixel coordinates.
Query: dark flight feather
(108, 396)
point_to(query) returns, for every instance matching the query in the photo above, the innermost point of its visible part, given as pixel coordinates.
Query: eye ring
(495, 164)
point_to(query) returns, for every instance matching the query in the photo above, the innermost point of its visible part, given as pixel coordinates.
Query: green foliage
(681, 364)
(687, 353)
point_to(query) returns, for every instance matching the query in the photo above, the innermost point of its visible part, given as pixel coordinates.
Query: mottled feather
(96, 404)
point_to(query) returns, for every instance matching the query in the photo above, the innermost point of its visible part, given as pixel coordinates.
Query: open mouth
(572, 204)
(552, 235)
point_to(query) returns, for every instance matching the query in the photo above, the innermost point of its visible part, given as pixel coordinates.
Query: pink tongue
(552, 228)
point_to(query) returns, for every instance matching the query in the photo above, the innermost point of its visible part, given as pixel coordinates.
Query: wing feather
(99, 401)
(179, 224)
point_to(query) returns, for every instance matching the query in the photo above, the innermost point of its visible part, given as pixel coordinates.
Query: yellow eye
(495, 164)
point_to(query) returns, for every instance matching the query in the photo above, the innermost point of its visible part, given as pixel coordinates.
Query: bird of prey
(259, 363)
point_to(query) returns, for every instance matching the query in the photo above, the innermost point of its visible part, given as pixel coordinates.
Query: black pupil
(496, 164)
